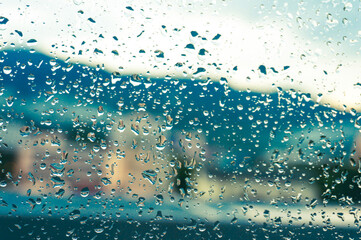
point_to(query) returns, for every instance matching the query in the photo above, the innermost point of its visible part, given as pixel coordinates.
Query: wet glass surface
(192, 119)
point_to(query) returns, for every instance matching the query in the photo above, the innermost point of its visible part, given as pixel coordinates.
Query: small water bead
(7, 70)
(42, 166)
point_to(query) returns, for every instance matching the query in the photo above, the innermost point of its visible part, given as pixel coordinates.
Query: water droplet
(3, 183)
(25, 131)
(141, 107)
(135, 129)
(159, 199)
(129, 8)
(7, 70)
(31, 77)
(266, 213)
(57, 182)
(60, 193)
(31, 178)
(116, 77)
(98, 230)
(106, 181)
(31, 42)
(147, 83)
(188, 137)
(352, 162)
(150, 175)
(140, 202)
(159, 54)
(216, 37)
(78, 2)
(169, 125)
(84, 192)
(100, 110)
(56, 166)
(10, 101)
(91, 20)
(43, 166)
(239, 107)
(135, 80)
(3, 22)
(70, 172)
(161, 142)
(91, 137)
(358, 122)
(347, 7)
(74, 214)
(223, 81)
(189, 46)
(83, 220)
(121, 126)
(9, 176)
(313, 203)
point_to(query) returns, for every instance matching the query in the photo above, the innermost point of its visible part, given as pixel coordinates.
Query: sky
(309, 46)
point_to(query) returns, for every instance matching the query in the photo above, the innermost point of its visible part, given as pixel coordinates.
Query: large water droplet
(98, 230)
(7, 70)
(91, 137)
(169, 125)
(121, 126)
(161, 142)
(3, 183)
(57, 166)
(84, 192)
(31, 42)
(135, 80)
(116, 77)
(10, 101)
(135, 129)
(60, 193)
(57, 182)
(100, 110)
(150, 175)
(74, 214)
(3, 22)
(106, 181)
(25, 131)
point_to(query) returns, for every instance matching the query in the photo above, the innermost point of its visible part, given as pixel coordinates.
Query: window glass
(180, 119)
